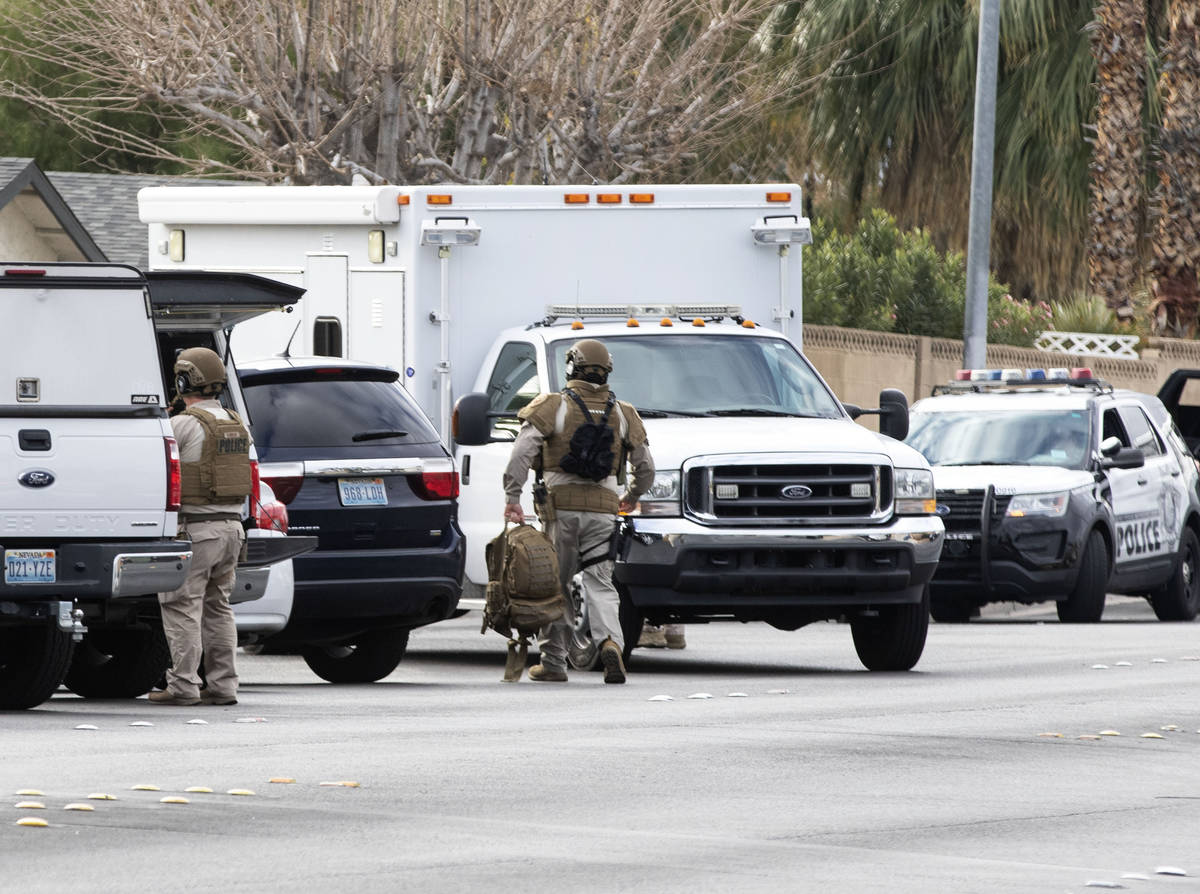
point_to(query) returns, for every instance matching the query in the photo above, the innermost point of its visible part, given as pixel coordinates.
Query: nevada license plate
(29, 566)
(362, 492)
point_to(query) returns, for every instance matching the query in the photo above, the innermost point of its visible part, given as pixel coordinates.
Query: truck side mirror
(471, 424)
(893, 413)
(1124, 458)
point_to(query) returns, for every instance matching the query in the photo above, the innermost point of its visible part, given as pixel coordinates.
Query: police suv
(1053, 485)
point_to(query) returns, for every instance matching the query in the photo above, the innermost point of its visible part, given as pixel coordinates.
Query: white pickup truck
(769, 502)
(90, 473)
(89, 470)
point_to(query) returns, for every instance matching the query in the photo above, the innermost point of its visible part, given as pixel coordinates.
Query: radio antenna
(287, 350)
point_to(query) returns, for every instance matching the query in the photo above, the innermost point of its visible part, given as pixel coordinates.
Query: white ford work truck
(89, 487)
(770, 503)
(90, 473)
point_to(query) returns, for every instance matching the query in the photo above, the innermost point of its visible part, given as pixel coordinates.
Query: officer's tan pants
(197, 618)
(576, 536)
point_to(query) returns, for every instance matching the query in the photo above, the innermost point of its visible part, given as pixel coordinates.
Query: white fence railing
(1093, 344)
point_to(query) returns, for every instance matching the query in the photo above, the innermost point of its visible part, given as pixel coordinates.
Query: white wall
(19, 241)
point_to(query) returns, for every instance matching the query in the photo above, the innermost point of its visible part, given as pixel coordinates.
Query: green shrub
(882, 278)
(1013, 322)
(1086, 313)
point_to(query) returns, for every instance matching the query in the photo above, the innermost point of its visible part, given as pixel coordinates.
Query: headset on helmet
(588, 353)
(199, 371)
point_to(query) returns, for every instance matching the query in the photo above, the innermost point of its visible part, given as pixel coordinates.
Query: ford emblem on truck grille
(36, 478)
(796, 492)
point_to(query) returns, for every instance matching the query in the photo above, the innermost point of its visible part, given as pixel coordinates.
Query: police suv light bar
(1053, 374)
(624, 311)
(783, 229)
(450, 231)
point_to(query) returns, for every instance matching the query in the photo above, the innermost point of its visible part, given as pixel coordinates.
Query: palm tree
(1117, 173)
(891, 120)
(1177, 230)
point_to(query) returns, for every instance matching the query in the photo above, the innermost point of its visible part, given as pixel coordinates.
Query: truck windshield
(689, 375)
(1008, 438)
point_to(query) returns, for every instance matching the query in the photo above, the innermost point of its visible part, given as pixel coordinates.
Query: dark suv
(361, 467)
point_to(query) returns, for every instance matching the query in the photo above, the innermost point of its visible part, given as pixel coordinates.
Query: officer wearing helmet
(214, 452)
(587, 488)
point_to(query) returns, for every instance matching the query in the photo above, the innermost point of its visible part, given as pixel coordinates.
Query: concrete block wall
(858, 363)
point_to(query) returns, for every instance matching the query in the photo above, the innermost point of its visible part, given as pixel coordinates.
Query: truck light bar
(555, 311)
(1000, 379)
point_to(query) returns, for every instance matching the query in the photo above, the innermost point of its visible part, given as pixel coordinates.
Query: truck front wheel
(120, 662)
(33, 661)
(893, 637)
(1085, 603)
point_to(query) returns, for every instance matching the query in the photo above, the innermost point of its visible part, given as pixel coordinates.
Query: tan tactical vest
(543, 413)
(222, 474)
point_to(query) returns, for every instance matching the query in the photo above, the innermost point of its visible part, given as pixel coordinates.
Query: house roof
(107, 206)
(26, 188)
(92, 217)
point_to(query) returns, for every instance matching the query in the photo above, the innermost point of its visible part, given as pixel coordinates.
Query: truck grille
(782, 493)
(964, 509)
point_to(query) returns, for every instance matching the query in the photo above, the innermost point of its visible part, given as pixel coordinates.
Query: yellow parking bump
(101, 796)
(343, 784)
(1089, 736)
(31, 821)
(1109, 732)
(29, 793)
(1152, 735)
(240, 791)
(1050, 735)
(30, 805)
(145, 787)
(285, 780)
(79, 807)
(174, 799)
(1170, 728)
(198, 790)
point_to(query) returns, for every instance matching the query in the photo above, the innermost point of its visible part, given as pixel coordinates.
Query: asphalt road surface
(778, 764)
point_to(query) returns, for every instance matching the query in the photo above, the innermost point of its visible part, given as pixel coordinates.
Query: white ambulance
(770, 503)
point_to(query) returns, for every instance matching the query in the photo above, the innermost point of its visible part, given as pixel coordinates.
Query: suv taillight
(285, 488)
(255, 494)
(174, 475)
(435, 485)
(272, 516)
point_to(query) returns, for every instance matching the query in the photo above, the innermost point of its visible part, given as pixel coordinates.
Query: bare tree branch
(494, 91)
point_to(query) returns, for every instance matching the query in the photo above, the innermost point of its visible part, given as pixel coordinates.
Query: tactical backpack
(590, 454)
(523, 593)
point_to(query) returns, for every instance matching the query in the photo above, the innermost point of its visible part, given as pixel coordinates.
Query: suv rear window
(304, 408)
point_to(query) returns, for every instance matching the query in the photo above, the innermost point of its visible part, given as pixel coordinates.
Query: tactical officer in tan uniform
(214, 450)
(581, 511)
